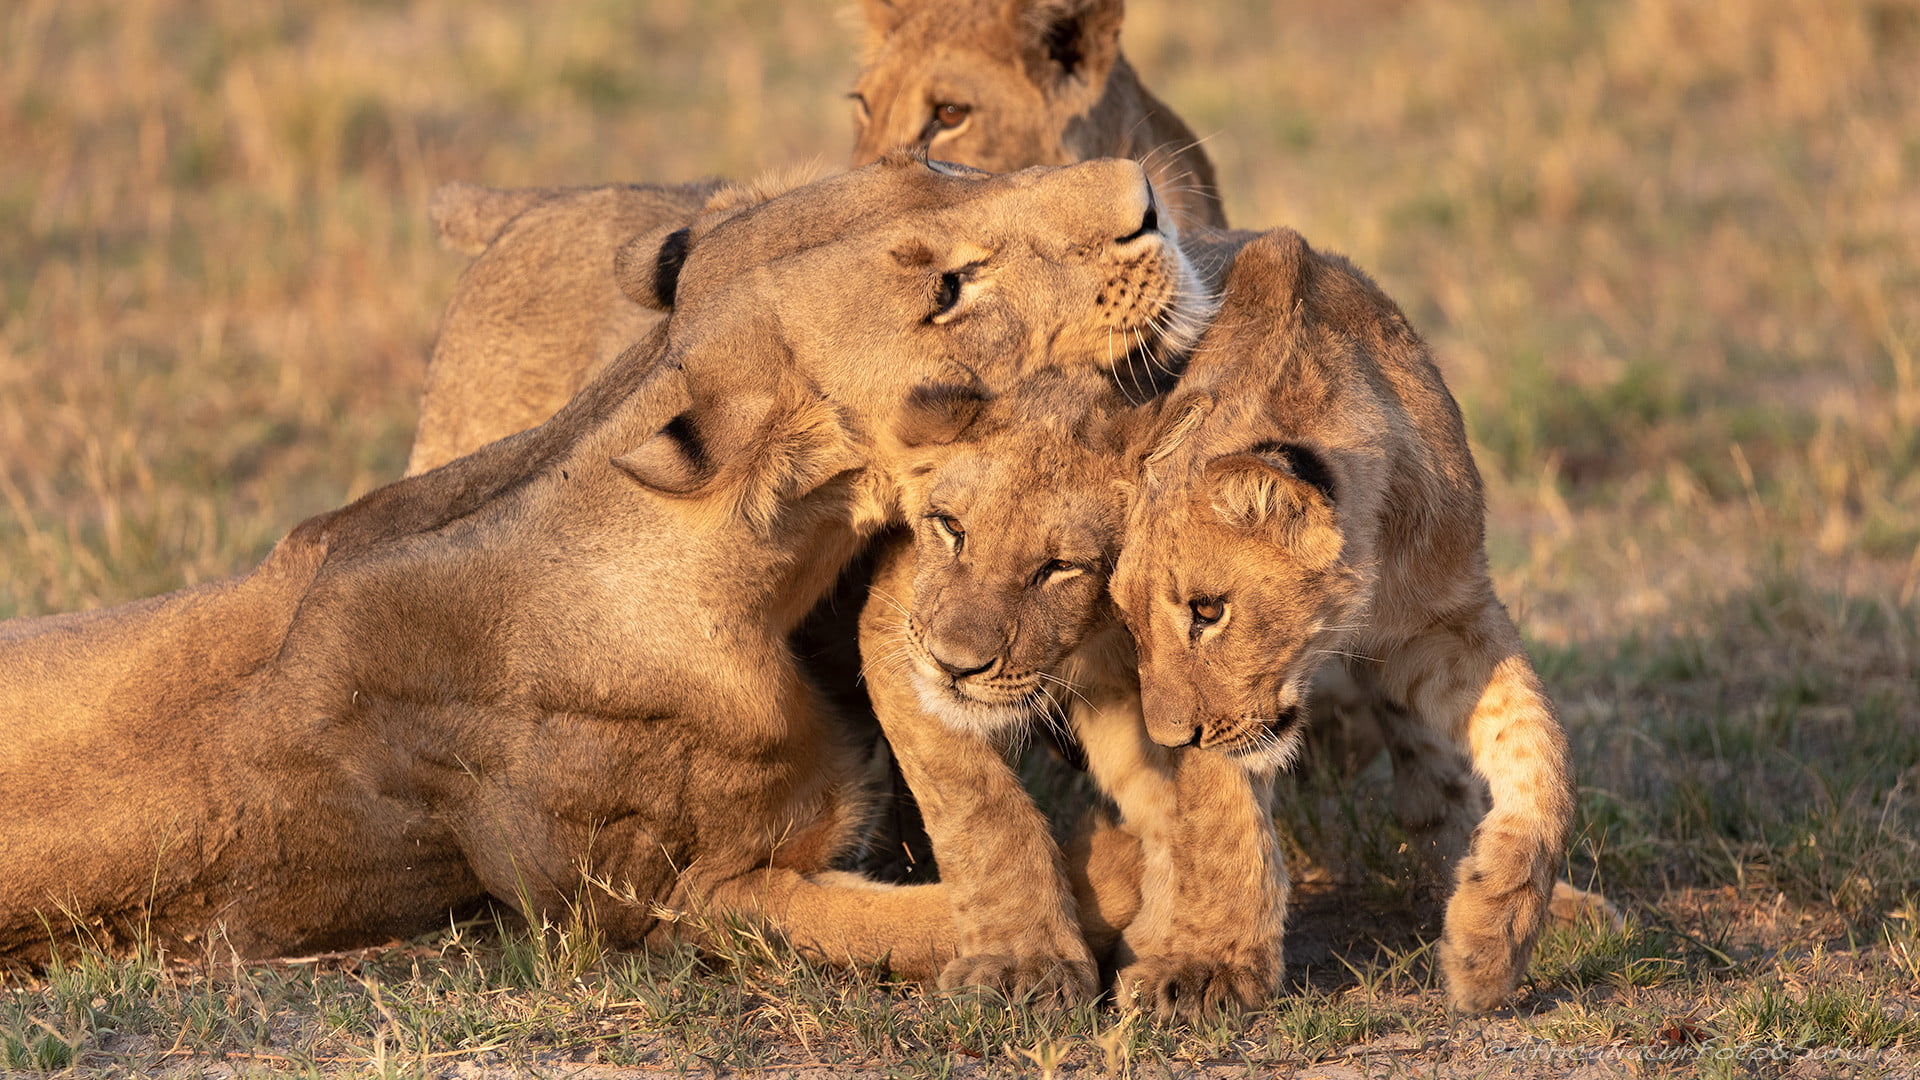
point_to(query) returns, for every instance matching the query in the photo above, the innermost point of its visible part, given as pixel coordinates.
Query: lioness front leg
(1484, 697)
(1213, 888)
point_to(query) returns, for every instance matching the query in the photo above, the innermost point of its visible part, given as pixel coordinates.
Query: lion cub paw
(1191, 987)
(1025, 980)
(1570, 907)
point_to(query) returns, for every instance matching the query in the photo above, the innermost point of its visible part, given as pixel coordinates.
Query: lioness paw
(1189, 987)
(1047, 981)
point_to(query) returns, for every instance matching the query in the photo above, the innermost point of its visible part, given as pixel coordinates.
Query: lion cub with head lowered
(993, 615)
(1311, 496)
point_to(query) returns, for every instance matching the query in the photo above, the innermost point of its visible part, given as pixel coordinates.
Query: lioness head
(1249, 556)
(867, 284)
(1004, 84)
(1016, 518)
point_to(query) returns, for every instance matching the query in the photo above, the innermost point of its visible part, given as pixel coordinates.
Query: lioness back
(537, 314)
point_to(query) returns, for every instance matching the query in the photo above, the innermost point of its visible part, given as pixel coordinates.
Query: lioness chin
(555, 672)
(1310, 500)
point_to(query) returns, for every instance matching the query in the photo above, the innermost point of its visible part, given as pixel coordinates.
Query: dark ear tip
(667, 263)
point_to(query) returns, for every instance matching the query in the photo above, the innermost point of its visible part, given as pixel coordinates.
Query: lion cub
(1311, 496)
(992, 616)
(1002, 85)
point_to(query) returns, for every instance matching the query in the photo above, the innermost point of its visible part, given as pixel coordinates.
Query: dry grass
(1669, 251)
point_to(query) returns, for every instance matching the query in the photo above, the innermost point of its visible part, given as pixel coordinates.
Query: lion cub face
(1014, 529)
(989, 83)
(1250, 555)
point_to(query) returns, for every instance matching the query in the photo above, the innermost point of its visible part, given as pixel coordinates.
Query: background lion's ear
(883, 16)
(647, 267)
(1062, 40)
(468, 217)
(1273, 271)
(935, 414)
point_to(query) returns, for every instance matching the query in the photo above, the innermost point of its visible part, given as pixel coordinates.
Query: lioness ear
(1283, 487)
(468, 217)
(1068, 39)
(647, 267)
(936, 414)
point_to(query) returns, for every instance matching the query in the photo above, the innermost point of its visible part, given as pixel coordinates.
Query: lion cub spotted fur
(1310, 501)
(992, 615)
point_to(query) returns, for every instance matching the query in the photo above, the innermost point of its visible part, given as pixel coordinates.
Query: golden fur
(1310, 498)
(538, 313)
(564, 659)
(1003, 84)
(992, 615)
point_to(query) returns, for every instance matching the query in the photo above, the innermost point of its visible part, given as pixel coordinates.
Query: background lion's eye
(860, 106)
(947, 293)
(1050, 568)
(951, 526)
(949, 115)
(1207, 610)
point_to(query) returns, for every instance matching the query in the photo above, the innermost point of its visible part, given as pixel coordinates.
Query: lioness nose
(962, 667)
(1109, 198)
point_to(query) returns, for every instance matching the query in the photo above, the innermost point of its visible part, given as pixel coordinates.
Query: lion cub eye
(946, 294)
(955, 531)
(1206, 611)
(950, 115)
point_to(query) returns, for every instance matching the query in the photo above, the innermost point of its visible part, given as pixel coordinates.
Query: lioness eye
(951, 526)
(949, 115)
(1207, 610)
(1051, 568)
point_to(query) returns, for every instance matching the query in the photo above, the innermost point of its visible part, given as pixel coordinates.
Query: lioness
(537, 314)
(993, 615)
(1002, 84)
(562, 660)
(1312, 500)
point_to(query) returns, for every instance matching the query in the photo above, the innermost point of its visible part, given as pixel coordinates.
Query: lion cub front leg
(1013, 909)
(1484, 698)
(1213, 888)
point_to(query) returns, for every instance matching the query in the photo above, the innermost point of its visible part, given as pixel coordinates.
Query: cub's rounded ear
(884, 16)
(1068, 39)
(1272, 272)
(647, 267)
(936, 414)
(1284, 488)
(673, 461)
(1177, 418)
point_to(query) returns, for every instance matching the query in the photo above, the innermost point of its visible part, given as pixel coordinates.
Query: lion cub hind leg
(1213, 887)
(1471, 680)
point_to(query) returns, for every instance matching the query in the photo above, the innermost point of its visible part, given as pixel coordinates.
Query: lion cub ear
(1284, 488)
(647, 267)
(936, 414)
(1068, 43)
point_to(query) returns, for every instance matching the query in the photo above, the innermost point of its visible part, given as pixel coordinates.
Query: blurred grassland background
(1667, 251)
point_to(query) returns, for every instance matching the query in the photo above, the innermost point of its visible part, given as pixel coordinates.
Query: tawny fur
(538, 313)
(991, 616)
(562, 659)
(1311, 501)
(1003, 84)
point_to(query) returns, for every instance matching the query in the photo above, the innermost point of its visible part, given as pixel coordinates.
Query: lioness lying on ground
(991, 616)
(559, 666)
(1311, 500)
(537, 314)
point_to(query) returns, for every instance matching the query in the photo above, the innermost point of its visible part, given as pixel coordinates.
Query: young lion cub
(1311, 495)
(1002, 85)
(992, 615)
